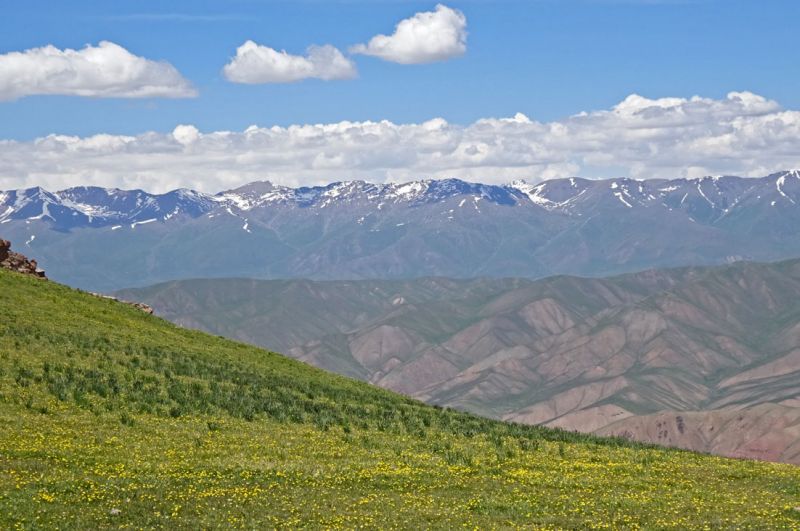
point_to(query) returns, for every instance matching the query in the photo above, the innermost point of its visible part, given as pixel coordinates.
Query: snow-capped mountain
(90, 206)
(709, 198)
(448, 227)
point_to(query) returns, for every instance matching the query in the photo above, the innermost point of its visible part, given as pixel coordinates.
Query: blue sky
(164, 93)
(547, 59)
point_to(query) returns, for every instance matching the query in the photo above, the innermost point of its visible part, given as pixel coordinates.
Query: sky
(211, 95)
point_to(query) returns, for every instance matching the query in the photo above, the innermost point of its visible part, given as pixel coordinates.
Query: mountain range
(107, 239)
(705, 358)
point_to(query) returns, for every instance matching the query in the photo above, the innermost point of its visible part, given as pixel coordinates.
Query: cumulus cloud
(740, 134)
(426, 37)
(103, 71)
(255, 63)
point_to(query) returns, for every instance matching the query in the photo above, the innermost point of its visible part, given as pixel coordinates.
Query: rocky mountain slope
(717, 347)
(103, 239)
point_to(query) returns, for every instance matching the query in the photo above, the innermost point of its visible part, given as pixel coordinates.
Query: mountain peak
(255, 187)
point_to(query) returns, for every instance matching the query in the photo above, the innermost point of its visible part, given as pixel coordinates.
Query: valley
(626, 355)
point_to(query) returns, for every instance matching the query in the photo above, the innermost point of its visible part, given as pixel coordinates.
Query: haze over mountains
(704, 358)
(107, 239)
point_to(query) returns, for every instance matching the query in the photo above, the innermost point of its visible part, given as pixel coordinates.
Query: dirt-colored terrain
(624, 355)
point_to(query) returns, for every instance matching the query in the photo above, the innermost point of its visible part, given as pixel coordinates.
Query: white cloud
(186, 134)
(255, 63)
(103, 71)
(741, 134)
(424, 38)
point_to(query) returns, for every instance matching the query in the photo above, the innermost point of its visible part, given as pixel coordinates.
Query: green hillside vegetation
(629, 355)
(113, 418)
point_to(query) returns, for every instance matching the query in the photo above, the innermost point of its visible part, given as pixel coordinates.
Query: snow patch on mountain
(618, 195)
(145, 222)
(779, 182)
(407, 191)
(90, 211)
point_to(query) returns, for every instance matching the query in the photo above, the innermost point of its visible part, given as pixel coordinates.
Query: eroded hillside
(586, 354)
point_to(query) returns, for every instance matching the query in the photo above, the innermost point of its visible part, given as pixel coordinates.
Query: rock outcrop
(18, 262)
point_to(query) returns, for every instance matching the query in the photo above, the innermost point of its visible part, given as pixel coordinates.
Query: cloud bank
(426, 37)
(741, 134)
(103, 71)
(255, 63)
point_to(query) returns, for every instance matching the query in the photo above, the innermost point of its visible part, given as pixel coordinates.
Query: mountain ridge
(98, 206)
(104, 240)
(611, 355)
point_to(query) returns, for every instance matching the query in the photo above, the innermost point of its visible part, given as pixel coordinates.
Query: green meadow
(111, 418)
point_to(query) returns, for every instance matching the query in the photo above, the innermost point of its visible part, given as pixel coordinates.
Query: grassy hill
(113, 418)
(638, 354)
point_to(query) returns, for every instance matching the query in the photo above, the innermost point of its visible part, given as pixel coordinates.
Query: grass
(113, 418)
